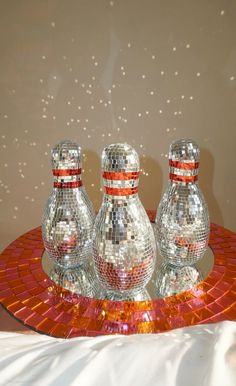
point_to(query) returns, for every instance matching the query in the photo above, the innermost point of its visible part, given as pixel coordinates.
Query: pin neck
(183, 172)
(67, 178)
(120, 183)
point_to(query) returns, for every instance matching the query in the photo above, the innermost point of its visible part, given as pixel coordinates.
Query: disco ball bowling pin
(124, 249)
(182, 221)
(69, 215)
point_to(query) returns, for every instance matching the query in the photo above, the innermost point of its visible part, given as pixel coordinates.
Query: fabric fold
(200, 355)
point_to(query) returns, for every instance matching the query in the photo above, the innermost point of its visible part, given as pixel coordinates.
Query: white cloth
(201, 355)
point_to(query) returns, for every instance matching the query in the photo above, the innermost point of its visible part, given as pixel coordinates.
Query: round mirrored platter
(28, 293)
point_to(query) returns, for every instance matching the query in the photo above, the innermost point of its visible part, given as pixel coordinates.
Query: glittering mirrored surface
(182, 221)
(80, 280)
(172, 280)
(69, 215)
(124, 247)
(166, 280)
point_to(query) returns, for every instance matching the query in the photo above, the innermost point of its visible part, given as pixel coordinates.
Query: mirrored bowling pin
(182, 221)
(69, 215)
(124, 247)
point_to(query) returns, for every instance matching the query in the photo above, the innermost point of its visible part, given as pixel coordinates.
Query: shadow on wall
(151, 186)
(92, 177)
(207, 168)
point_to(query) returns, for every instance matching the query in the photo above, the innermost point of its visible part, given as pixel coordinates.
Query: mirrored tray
(27, 293)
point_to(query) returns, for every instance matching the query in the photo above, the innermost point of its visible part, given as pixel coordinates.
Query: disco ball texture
(69, 215)
(124, 247)
(182, 221)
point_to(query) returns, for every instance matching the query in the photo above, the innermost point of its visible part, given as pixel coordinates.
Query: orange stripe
(184, 165)
(67, 185)
(66, 172)
(120, 175)
(120, 191)
(175, 177)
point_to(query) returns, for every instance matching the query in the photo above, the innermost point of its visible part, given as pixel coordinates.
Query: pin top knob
(184, 157)
(66, 155)
(184, 150)
(120, 157)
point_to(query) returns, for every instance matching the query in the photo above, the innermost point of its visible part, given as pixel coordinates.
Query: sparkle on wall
(91, 102)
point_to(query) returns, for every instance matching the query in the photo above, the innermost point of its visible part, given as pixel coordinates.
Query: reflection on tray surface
(173, 280)
(167, 279)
